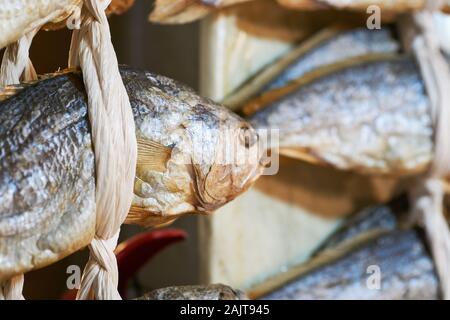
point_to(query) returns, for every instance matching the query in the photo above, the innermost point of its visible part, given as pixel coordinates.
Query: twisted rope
(428, 195)
(11, 289)
(16, 65)
(115, 147)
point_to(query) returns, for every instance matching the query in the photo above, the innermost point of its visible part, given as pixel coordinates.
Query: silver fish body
(208, 292)
(406, 272)
(371, 114)
(368, 242)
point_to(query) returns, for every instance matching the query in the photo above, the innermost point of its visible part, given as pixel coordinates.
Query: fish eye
(248, 136)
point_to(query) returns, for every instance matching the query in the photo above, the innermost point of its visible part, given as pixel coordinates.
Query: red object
(135, 252)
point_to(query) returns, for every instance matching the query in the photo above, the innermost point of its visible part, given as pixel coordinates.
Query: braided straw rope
(12, 288)
(115, 146)
(428, 195)
(16, 65)
(113, 136)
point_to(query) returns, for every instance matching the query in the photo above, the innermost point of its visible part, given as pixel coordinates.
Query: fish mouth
(252, 176)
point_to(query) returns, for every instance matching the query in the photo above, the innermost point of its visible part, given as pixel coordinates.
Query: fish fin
(177, 11)
(303, 4)
(119, 6)
(300, 154)
(254, 86)
(260, 102)
(147, 219)
(152, 155)
(321, 259)
(11, 90)
(308, 156)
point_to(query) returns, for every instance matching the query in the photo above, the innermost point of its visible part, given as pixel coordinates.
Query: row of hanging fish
(19, 17)
(182, 11)
(368, 113)
(366, 110)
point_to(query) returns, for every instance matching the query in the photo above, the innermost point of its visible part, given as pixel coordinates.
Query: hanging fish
(327, 46)
(47, 184)
(360, 5)
(183, 11)
(365, 225)
(369, 114)
(208, 292)
(344, 265)
(22, 16)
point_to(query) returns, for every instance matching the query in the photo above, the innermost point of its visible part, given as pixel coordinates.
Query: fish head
(193, 155)
(226, 156)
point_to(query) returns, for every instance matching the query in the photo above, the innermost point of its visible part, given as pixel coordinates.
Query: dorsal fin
(260, 102)
(252, 88)
(11, 90)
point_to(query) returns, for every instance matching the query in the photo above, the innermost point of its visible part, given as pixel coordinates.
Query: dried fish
(47, 200)
(209, 292)
(178, 11)
(182, 11)
(394, 266)
(366, 224)
(21, 16)
(327, 46)
(370, 114)
(361, 5)
(343, 268)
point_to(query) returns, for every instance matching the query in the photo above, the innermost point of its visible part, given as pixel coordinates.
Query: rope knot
(100, 276)
(16, 64)
(95, 10)
(102, 251)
